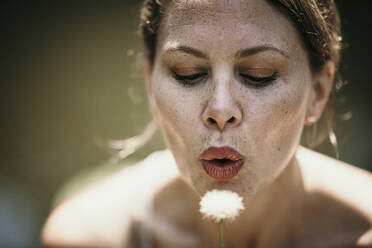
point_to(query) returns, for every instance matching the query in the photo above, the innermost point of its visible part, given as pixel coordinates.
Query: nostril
(211, 120)
(232, 119)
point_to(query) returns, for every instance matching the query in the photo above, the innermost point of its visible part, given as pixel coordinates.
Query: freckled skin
(271, 117)
(293, 197)
(279, 186)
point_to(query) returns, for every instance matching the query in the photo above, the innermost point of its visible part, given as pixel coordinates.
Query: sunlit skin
(235, 73)
(256, 41)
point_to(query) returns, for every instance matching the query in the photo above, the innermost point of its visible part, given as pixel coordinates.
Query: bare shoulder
(101, 215)
(344, 181)
(344, 189)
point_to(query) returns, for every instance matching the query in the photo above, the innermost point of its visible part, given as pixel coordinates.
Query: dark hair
(318, 23)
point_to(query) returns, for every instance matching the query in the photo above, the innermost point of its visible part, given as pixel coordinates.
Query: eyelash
(189, 80)
(257, 82)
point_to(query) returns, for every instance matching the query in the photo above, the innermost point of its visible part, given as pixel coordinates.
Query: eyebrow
(253, 50)
(240, 54)
(188, 50)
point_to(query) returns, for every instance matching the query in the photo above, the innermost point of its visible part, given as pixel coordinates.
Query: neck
(283, 195)
(273, 211)
(268, 213)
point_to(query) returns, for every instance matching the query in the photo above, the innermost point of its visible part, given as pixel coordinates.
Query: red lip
(222, 163)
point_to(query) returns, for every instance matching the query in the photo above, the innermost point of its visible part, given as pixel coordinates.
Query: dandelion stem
(220, 234)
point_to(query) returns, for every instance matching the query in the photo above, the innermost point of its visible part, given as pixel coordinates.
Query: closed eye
(189, 79)
(258, 81)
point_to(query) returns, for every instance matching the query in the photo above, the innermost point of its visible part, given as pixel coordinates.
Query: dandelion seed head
(219, 205)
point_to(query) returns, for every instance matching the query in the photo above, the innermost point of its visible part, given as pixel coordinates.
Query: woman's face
(230, 73)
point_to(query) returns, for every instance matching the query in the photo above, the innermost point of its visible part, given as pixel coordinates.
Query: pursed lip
(221, 163)
(223, 152)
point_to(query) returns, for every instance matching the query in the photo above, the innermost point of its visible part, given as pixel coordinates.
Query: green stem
(220, 234)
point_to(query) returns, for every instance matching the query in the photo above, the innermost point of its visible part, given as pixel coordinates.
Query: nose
(222, 110)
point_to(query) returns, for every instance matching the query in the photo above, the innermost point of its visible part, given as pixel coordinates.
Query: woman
(231, 84)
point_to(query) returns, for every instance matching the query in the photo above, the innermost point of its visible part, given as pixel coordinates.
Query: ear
(322, 83)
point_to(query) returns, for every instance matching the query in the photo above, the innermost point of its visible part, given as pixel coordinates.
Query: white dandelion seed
(220, 205)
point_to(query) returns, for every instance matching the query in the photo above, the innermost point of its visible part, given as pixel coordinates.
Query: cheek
(279, 111)
(289, 115)
(176, 110)
(276, 126)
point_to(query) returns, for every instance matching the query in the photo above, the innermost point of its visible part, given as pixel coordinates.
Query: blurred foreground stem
(220, 234)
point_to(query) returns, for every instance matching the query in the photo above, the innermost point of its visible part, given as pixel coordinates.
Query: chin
(245, 187)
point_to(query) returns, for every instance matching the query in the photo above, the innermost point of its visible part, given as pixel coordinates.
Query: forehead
(227, 25)
(210, 9)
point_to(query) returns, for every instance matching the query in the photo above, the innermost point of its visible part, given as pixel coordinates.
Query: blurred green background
(71, 78)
